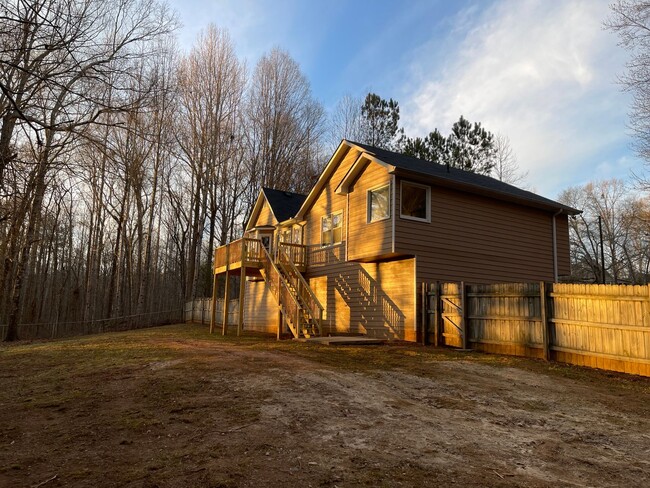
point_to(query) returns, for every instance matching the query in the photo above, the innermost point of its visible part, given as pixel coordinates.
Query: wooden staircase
(300, 310)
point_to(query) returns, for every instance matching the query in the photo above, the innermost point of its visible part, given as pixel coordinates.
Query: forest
(125, 161)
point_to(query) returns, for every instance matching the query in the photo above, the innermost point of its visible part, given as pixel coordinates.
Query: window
(285, 235)
(415, 202)
(379, 204)
(297, 235)
(331, 229)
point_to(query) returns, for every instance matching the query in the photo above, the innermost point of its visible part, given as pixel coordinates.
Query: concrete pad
(343, 341)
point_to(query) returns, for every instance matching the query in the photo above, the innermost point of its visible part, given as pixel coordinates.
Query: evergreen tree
(379, 121)
(469, 147)
(432, 148)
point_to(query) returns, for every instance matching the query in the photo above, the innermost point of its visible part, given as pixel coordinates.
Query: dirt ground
(175, 407)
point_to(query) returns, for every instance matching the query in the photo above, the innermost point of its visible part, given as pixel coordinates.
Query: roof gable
(283, 205)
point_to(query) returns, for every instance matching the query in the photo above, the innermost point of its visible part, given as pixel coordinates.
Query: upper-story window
(415, 201)
(379, 204)
(331, 229)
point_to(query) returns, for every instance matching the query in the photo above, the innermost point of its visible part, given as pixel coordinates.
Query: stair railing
(303, 291)
(289, 304)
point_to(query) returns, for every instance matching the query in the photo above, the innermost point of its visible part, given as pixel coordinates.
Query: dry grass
(175, 406)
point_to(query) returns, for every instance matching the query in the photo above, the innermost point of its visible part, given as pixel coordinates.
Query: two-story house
(350, 256)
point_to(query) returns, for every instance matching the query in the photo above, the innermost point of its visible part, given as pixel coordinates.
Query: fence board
(198, 311)
(603, 326)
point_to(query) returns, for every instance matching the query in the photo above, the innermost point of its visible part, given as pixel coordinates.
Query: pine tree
(379, 122)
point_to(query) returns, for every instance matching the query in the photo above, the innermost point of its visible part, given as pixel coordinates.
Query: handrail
(281, 289)
(313, 305)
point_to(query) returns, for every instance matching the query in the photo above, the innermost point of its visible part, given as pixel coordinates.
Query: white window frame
(339, 212)
(369, 203)
(410, 217)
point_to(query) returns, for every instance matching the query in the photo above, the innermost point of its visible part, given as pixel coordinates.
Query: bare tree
(630, 19)
(212, 82)
(58, 71)
(285, 125)
(608, 205)
(345, 121)
(506, 168)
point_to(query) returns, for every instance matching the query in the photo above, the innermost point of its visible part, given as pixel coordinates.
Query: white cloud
(541, 72)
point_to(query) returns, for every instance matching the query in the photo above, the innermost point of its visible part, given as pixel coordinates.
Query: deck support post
(213, 310)
(226, 295)
(242, 290)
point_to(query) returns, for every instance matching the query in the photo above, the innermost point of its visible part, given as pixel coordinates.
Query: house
(350, 256)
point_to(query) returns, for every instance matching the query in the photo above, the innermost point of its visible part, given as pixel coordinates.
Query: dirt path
(182, 410)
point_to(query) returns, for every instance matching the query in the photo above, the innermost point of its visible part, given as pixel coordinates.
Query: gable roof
(461, 179)
(284, 204)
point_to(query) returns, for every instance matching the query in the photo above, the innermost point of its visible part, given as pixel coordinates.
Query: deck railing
(247, 251)
(297, 253)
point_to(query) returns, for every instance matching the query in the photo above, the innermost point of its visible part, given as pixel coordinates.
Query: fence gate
(445, 324)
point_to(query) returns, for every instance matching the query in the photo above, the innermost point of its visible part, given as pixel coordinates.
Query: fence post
(463, 314)
(424, 306)
(545, 322)
(437, 310)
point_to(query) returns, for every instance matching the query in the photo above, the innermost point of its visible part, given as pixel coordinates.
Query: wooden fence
(199, 310)
(602, 326)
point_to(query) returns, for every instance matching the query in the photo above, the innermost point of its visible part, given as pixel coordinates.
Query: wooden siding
(260, 308)
(479, 239)
(368, 240)
(376, 299)
(329, 202)
(265, 218)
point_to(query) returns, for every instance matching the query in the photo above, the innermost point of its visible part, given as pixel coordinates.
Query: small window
(285, 235)
(297, 235)
(331, 229)
(415, 202)
(379, 204)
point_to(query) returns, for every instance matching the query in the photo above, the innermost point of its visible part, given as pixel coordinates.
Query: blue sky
(542, 72)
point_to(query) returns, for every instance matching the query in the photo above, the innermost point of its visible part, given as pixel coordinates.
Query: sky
(544, 73)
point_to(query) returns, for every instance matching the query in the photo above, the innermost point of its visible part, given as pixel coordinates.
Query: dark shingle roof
(464, 178)
(284, 204)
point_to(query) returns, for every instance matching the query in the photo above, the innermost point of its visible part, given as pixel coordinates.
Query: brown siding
(563, 245)
(367, 240)
(377, 299)
(260, 308)
(478, 239)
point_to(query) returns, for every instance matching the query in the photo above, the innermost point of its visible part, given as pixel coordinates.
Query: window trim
(369, 204)
(332, 214)
(428, 209)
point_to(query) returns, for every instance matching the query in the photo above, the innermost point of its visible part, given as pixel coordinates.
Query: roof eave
(480, 190)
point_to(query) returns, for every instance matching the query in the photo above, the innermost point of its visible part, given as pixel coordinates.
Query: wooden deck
(248, 253)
